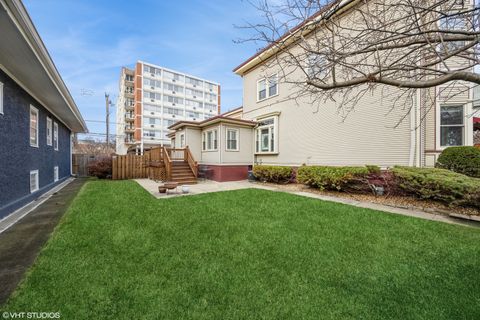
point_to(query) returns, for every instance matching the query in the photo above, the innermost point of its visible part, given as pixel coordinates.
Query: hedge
(331, 178)
(439, 184)
(275, 174)
(465, 160)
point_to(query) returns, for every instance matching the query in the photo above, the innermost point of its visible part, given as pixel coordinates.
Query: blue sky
(90, 40)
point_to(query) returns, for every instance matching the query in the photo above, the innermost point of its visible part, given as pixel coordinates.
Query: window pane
(451, 115)
(271, 139)
(264, 139)
(262, 90)
(451, 136)
(272, 86)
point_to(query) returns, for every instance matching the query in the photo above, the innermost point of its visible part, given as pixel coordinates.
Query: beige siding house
(272, 129)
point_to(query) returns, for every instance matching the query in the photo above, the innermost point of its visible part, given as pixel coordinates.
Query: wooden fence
(131, 166)
(80, 163)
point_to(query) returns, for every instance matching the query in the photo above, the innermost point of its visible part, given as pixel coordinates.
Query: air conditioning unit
(152, 100)
(194, 108)
(173, 92)
(195, 96)
(173, 104)
(152, 113)
(194, 119)
(173, 116)
(173, 80)
(152, 88)
(194, 85)
(152, 74)
(152, 126)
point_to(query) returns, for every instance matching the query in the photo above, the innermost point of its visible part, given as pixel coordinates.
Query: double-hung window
(232, 140)
(265, 136)
(49, 131)
(316, 67)
(33, 126)
(267, 87)
(55, 136)
(210, 140)
(452, 126)
(449, 24)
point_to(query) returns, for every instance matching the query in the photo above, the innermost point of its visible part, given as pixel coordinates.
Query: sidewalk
(21, 243)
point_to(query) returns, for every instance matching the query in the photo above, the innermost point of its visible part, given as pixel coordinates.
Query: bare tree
(346, 48)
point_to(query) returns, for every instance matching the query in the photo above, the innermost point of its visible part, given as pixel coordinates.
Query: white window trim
(35, 110)
(49, 130)
(439, 126)
(267, 85)
(237, 135)
(275, 136)
(182, 137)
(37, 181)
(1, 97)
(55, 135)
(56, 174)
(205, 140)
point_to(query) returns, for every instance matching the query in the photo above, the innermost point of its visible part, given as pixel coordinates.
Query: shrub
(101, 168)
(275, 174)
(332, 178)
(373, 169)
(465, 160)
(439, 184)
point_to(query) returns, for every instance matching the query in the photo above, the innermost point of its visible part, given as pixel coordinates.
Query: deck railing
(179, 154)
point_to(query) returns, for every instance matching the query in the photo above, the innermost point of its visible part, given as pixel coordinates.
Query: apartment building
(152, 98)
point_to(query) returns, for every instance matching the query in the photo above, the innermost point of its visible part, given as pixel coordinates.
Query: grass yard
(119, 253)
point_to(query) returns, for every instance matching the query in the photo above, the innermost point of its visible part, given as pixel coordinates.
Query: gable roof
(331, 8)
(210, 121)
(24, 57)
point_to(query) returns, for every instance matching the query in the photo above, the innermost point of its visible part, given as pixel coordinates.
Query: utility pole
(107, 106)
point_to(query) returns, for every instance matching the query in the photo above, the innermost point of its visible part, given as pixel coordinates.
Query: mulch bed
(394, 201)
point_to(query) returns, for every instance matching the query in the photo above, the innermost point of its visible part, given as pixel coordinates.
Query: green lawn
(250, 254)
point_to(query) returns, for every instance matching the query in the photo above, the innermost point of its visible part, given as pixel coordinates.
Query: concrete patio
(203, 186)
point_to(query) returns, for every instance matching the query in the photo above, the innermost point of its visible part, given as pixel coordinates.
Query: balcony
(129, 141)
(129, 129)
(129, 116)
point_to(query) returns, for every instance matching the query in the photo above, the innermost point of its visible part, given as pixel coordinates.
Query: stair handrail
(168, 164)
(191, 161)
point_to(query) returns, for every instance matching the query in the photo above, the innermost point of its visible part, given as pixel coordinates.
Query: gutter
(271, 49)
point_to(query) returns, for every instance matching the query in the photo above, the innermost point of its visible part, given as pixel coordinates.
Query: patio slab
(205, 186)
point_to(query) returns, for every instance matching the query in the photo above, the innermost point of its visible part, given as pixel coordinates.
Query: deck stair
(180, 165)
(182, 173)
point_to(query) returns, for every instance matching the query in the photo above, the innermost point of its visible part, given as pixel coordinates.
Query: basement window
(34, 185)
(55, 173)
